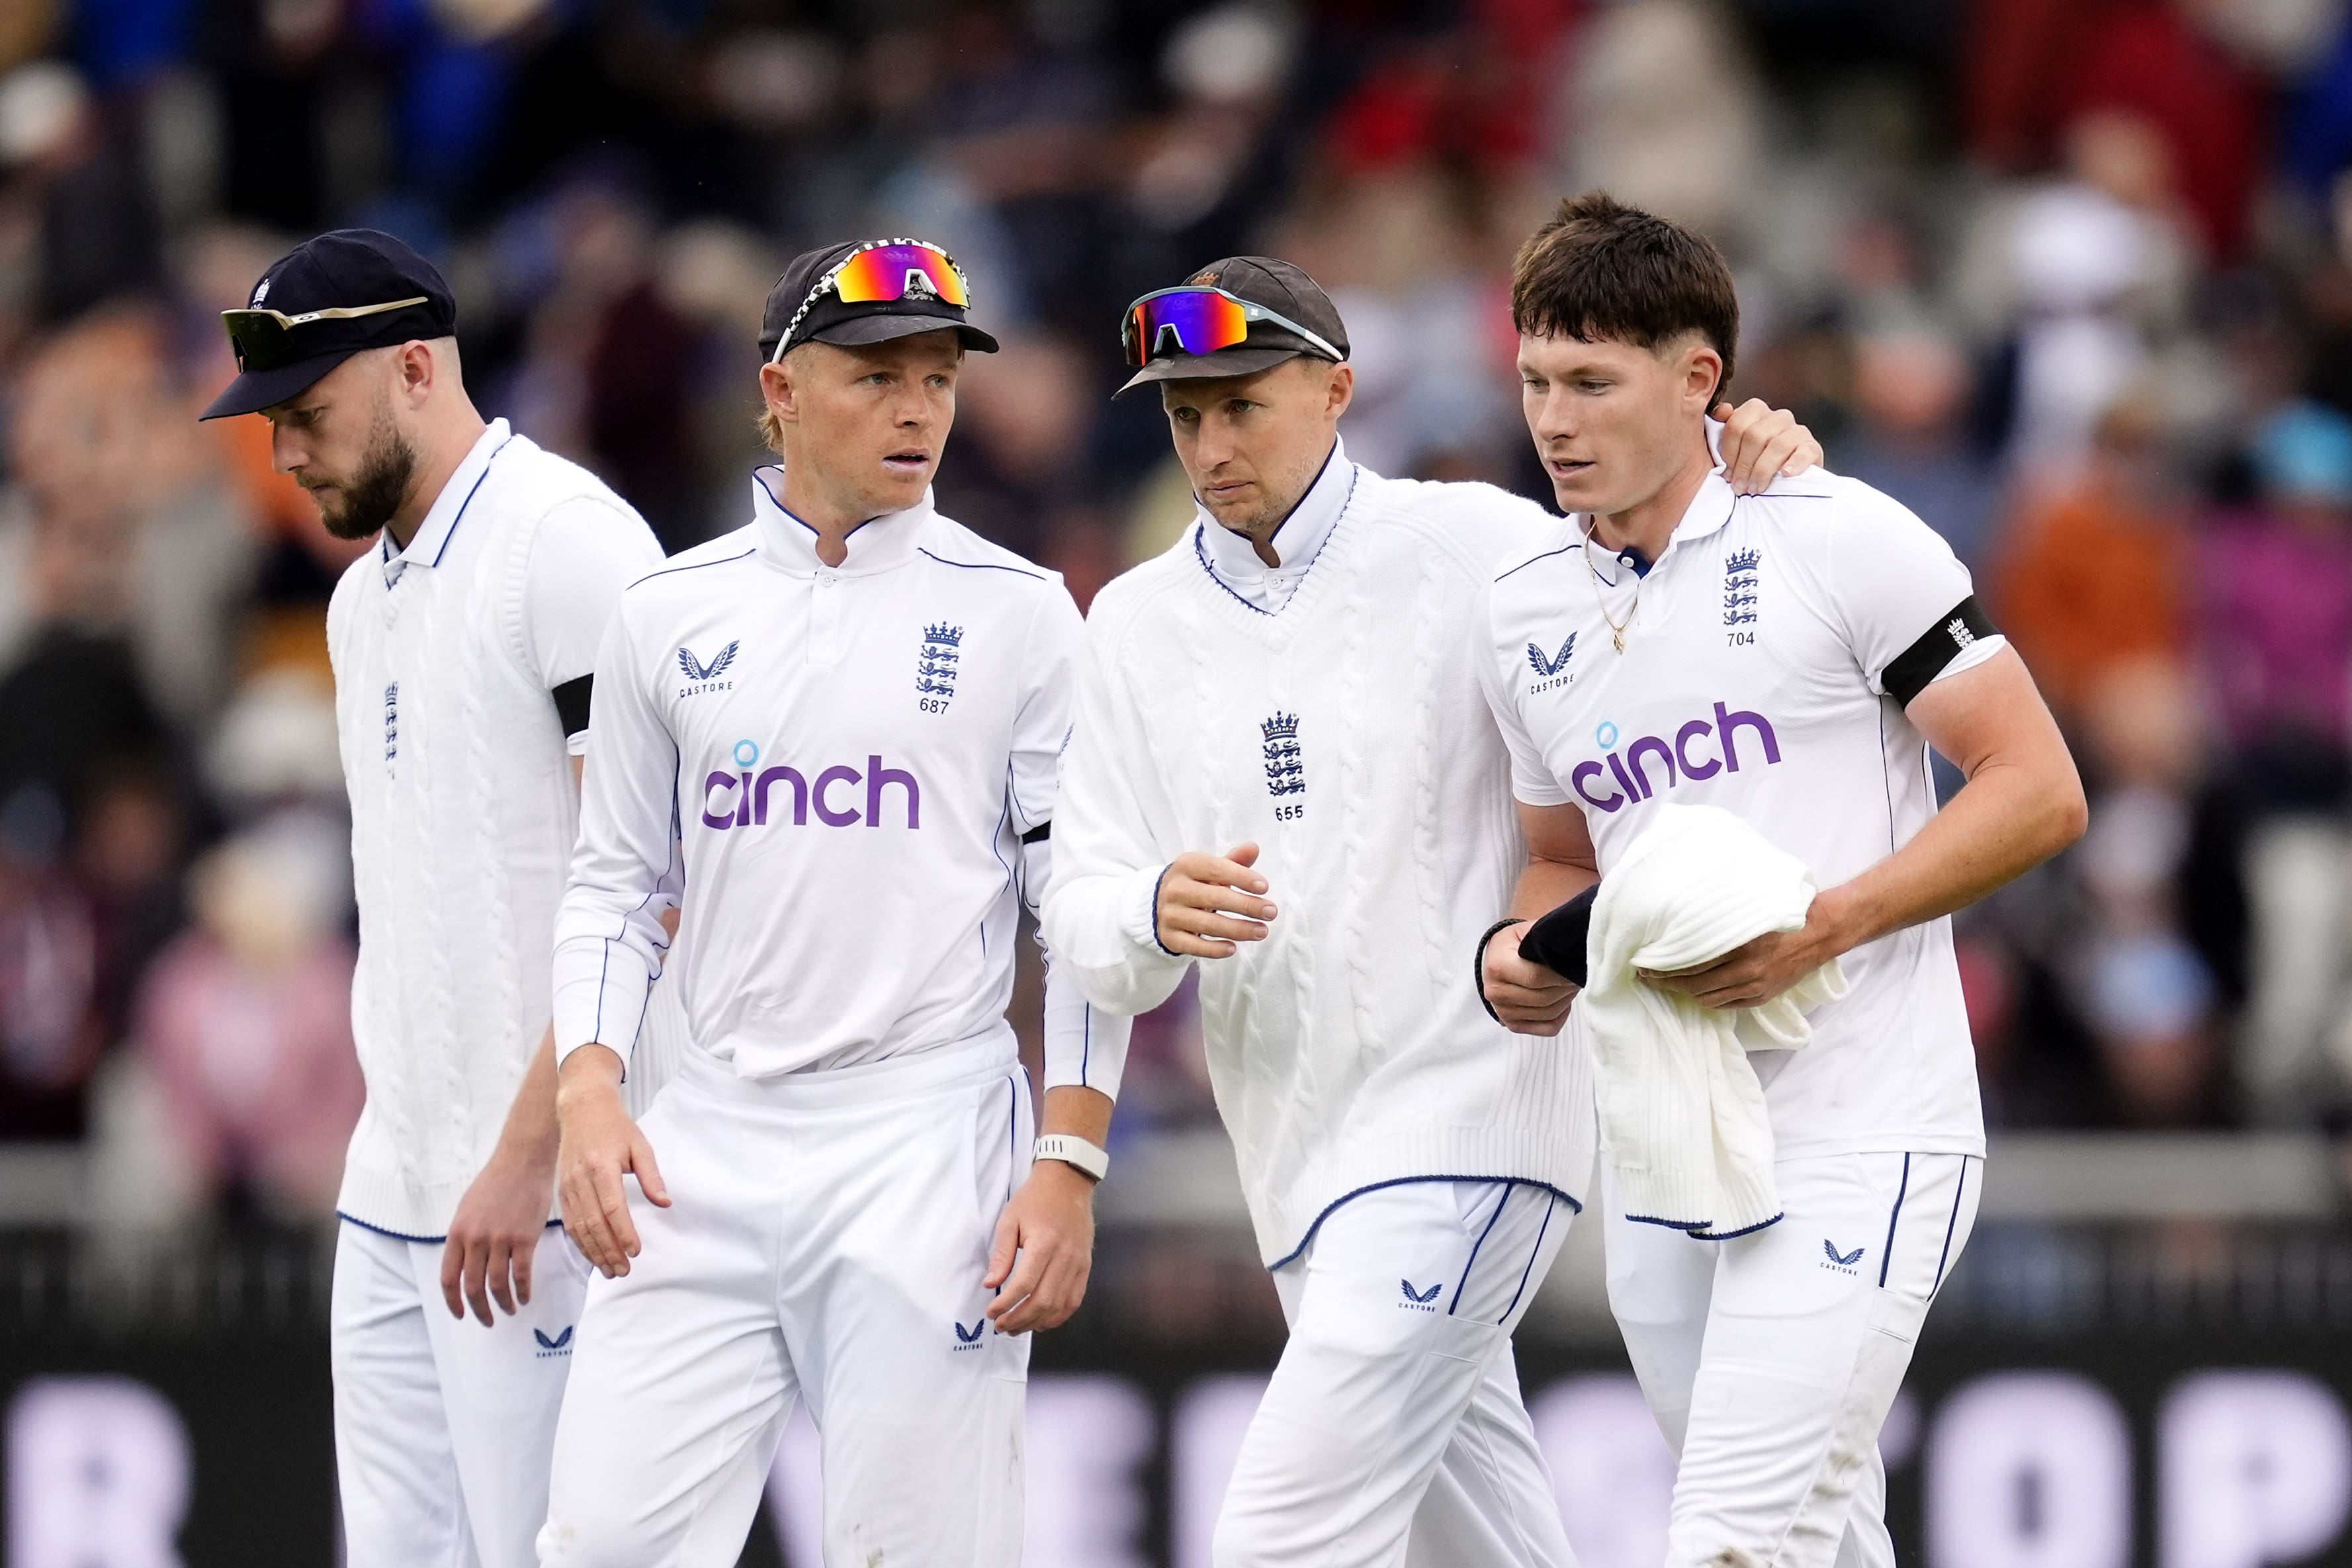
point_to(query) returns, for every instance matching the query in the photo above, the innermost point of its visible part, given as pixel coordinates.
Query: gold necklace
(1616, 628)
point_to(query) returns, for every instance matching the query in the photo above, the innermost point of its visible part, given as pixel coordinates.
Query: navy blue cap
(350, 269)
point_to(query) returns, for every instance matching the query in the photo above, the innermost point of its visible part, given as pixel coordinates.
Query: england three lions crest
(936, 662)
(1285, 766)
(1741, 570)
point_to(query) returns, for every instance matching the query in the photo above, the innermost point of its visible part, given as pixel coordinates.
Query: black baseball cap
(829, 319)
(351, 275)
(1274, 284)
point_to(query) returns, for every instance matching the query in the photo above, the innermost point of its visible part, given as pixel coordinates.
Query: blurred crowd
(2067, 277)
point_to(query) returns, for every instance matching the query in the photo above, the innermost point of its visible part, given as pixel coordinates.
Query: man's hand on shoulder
(1761, 444)
(1207, 904)
(600, 1144)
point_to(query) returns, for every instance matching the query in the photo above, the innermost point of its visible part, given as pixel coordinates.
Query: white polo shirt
(1757, 658)
(862, 761)
(446, 655)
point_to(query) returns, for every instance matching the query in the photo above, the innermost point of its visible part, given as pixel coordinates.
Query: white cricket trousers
(1770, 1360)
(443, 1428)
(1392, 1432)
(825, 1241)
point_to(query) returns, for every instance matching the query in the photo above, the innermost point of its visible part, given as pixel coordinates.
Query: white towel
(1683, 1121)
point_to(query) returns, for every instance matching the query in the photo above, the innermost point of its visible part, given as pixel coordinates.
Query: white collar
(877, 544)
(1298, 537)
(1709, 511)
(432, 536)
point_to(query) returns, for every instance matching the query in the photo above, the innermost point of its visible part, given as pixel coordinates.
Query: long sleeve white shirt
(1345, 733)
(857, 766)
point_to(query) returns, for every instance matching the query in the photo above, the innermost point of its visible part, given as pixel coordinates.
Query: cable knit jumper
(463, 812)
(1347, 736)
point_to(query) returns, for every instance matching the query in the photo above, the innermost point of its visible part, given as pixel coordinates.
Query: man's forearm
(1546, 885)
(2005, 821)
(1078, 1111)
(530, 1131)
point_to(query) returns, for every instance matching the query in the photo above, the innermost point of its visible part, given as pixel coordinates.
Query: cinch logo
(742, 798)
(1676, 760)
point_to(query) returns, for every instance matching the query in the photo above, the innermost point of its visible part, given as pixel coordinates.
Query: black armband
(571, 704)
(1911, 671)
(1039, 834)
(1558, 940)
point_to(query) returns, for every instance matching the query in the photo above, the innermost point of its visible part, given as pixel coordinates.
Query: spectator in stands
(245, 1024)
(2277, 617)
(2158, 876)
(100, 237)
(1911, 389)
(2089, 575)
(51, 1038)
(2276, 634)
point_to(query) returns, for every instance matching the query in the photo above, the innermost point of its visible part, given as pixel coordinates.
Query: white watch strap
(1072, 1151)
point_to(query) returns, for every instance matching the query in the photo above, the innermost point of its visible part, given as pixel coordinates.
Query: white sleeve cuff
(1092, 1054)
(599, 999)
(1141, 921)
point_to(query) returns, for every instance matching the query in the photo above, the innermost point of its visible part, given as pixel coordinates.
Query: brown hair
(1601, 270)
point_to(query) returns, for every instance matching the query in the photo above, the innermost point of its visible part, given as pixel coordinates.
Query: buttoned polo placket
(878, 544)
(1653, 591)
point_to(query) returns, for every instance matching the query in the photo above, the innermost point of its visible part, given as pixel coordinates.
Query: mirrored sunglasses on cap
(260, 336)
(1199, 320)
(884, 272)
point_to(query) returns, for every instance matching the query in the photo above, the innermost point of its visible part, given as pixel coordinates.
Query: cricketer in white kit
(1298, 677)
(462, 650)
(854, 708)
(1789, 656)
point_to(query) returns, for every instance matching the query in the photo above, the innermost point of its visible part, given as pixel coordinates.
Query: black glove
(1558, 940)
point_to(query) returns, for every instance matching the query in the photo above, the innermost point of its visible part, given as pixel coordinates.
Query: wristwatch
(1075, 1151)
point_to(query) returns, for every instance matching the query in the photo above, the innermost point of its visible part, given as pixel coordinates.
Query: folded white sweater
(1683, 1124)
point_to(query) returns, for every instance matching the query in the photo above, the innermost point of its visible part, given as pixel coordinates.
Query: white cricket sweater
(1344, 733)
(462, 807)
